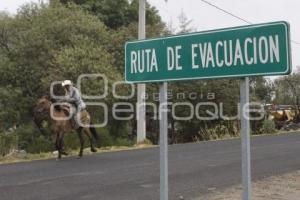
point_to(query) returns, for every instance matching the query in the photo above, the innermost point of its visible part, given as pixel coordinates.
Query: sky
(12, 5)
(205, 17)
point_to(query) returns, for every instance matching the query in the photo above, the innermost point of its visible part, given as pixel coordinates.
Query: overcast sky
(206, 17)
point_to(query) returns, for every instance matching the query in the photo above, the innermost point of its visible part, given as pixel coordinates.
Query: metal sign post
(245, 137)
(141, 87)
(163, 140)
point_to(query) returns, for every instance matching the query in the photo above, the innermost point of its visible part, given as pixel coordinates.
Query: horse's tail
(94, 132)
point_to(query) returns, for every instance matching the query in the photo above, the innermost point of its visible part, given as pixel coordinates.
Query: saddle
(65, 108)
(85, 118)
(76, 121)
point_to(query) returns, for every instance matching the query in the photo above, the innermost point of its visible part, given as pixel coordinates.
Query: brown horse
(60, 124)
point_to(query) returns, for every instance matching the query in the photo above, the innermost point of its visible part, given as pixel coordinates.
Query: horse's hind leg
(63, 152)
(59, 144)
(89, 134)
(81, 140)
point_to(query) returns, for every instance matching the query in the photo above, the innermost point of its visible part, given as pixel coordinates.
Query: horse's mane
(57, 108)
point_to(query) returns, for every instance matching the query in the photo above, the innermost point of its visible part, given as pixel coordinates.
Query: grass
(50, 155)
(146, 144)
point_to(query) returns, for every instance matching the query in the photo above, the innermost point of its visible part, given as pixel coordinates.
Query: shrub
(31, 140)
(268, 127)
(123, 142)
(105, 139)
(40, 144)
(8, 142)
(72, 141)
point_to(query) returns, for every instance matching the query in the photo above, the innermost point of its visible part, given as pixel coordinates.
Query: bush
(40, 144)
(268, 127)
(8, 142)
(123, 142)
(72, 141)
(27, 137)
(32, 141)
(105, 139)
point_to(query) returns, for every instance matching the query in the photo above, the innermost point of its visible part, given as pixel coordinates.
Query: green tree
(261, 89)
(117, 13)
(287, 90)
(43, 44)
(121, 18)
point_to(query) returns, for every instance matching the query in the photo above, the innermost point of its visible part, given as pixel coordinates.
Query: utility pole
(141, 88)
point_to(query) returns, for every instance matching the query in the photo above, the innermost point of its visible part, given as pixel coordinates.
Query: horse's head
(43, 105)
(41, 111)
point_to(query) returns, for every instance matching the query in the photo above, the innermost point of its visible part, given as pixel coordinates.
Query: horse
(61, 124)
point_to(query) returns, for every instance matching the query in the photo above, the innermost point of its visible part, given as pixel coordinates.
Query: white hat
(66, 82)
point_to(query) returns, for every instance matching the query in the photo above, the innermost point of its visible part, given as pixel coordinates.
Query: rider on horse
(59, 121)
(73, 97)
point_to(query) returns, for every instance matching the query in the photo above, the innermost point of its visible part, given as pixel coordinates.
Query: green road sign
(254, 50)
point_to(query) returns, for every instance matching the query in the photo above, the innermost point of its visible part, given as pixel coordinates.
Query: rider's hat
(66, 82)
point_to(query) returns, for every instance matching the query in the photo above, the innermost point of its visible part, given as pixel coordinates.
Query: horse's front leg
(81, 140)
(57, 146)
(57, 142)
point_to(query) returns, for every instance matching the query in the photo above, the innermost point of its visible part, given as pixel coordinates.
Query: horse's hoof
(94, 150)
(58, 159)
(79, 157)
